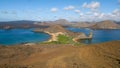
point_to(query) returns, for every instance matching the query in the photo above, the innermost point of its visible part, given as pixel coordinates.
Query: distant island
(107, 24)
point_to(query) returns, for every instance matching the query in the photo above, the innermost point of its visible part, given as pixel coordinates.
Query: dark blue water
(99, 36)
(17, 36)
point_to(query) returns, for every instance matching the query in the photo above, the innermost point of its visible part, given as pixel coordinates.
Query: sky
(50, 10)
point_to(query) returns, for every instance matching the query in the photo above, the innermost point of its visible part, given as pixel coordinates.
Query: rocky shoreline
(55, 30)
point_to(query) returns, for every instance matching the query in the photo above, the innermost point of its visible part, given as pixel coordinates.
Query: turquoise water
(99, 36)
(17, 36)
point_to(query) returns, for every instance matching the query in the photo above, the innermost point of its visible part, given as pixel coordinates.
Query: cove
(18, 36)
(99, 36)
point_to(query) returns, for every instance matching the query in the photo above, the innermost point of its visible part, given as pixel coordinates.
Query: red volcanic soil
(104, 55)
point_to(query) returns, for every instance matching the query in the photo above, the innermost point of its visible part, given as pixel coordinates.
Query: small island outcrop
(55, 30)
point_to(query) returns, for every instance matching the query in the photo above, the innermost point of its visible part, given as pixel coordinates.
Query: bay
(99, 36)
(18, 36)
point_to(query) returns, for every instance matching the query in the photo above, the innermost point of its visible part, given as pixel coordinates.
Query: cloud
(116, 12)
(102, 15)
(85, 5)
(115, 15)
(92, 5)
(81, 14)
(54, 9)
(89, 13)
(97, 14)
(77, 11)
(69, 7)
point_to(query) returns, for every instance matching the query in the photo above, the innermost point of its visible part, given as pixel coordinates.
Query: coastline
(51, 36)
(51, 30)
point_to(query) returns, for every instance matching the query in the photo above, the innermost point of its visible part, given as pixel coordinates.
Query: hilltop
(62, 22)
(82, 24)
(104, 55)
(55, 28)
(106, 25)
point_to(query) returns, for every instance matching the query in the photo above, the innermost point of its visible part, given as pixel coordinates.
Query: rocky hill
(104, 55)
(106, 25)
(55, 28)
(82, 24)
(62, 22)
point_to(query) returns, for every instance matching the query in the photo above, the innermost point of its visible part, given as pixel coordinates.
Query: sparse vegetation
(63, 39)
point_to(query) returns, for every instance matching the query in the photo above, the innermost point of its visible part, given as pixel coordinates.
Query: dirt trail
(104, 55)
